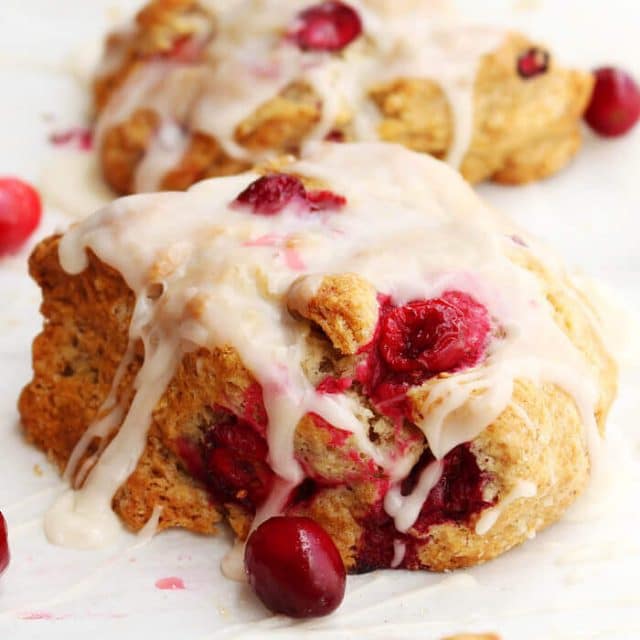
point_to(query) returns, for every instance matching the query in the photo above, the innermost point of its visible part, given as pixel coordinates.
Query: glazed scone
(195, 89)
(353, 337)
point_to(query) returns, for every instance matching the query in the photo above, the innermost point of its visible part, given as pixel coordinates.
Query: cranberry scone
(199, 88)
(352, 337)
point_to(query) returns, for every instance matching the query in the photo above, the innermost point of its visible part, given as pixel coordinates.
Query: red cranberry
(330, 384)
(253, 408)
(324, 200)
(533, 62)
(335, 135)
(20, 213)
(441, 334)
(272, 193)
(295, 568)
(417, 341)
(236, 462)
(4, 545)
(615, 104)
(238, 478)
(458, 494)
(328, 26)
(191, 456)
(240, 436)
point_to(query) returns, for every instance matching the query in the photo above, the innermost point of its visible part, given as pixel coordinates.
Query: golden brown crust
(75, 360)
(158, 27)
(344, 306)
(539, 438)
(524, 129)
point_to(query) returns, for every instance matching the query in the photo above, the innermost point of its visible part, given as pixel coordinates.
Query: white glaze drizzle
(221, 287)
(399, 550)
(405, 509)
(250, 61)
(522, 489)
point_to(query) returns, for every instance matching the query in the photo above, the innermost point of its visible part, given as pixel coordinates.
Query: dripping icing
(522, 489)
(450, 239)
(252, 63)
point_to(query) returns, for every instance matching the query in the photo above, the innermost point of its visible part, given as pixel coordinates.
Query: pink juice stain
(293, 260)
(170, 584)
(80, 138)
(40, 615)
(268, 240)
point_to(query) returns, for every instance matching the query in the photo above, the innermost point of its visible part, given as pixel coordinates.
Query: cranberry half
(436, 335)
(4, 545)
(328, 26)
(270, 194)
(615, 105)
(533, 62)
(295, 568)
(20, 213)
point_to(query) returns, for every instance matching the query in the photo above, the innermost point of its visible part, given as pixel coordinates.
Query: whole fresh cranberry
(436, 335)
(4, 545)
(615, 105)
(20, 213)
(328, 26)
(294, 567)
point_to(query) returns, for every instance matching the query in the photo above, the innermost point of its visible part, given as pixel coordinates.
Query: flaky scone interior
(199, 88)
(353, 336)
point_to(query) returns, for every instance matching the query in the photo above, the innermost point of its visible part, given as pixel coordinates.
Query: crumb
(224, 612)
(37, 469)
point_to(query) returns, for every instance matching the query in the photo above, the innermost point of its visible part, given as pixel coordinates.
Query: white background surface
(577, 580)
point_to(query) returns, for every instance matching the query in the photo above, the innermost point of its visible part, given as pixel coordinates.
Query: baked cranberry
(272, 193)
(294, 567)
(441, 334)
(417, 341)
(615, 105)
(253, 410)
(236, 462)
(324, 200)
(241, 437)
(328, 26)
(20, 213)
(375, 547)
(239, 478)
(533, 62)
(330, 384)
(4, 544)
(335, 135)
(191, 456)
(458, 494)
